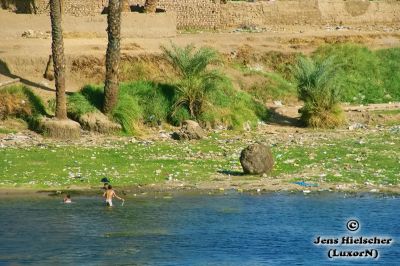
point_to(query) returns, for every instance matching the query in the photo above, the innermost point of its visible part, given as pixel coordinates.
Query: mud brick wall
(70, 7)
(309, 12)
(191, 13)
(76, 7)
(212, 14)
(359, 11)
(264, 13)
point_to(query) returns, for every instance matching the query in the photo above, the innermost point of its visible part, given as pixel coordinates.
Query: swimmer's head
(109, 187)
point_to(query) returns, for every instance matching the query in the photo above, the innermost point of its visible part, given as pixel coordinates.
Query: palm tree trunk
(113, 55)
(150, 6)
(57, 47)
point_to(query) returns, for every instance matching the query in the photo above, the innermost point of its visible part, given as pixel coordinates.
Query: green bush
(358, 72)
(316, 89)
(195, 79)
(390, 73)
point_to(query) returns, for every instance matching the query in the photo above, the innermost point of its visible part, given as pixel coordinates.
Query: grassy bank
(368, 157)
(363, 76)
(148, 103)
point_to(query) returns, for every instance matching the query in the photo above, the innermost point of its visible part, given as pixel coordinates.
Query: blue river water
(231, 229)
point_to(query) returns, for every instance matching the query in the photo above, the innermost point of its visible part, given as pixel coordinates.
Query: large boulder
(189, 130)
(257, 159)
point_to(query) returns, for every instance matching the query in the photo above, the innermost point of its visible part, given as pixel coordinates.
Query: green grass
(351, 160)
(386, 112)
(152, 103)
(20, 102)
(365, 76)
(371, 158)
(23, 93)
(7, 131)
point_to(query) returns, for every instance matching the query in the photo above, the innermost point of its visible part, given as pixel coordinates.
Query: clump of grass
(127, 112)
(315, 88)
(79, 105)
(21, 102)
(155, 100)
(279, 62)
(233, 109)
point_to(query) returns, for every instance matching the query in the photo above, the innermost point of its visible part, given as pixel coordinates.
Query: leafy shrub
(316, 89)
(195, 79)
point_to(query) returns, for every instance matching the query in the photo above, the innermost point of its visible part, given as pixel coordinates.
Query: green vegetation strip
(373, 159)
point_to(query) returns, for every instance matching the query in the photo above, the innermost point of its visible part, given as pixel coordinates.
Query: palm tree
(113, 55)
(195, 80)
(150, 6)
(57, 47)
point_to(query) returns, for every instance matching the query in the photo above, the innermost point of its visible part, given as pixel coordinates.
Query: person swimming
(67, 199)
(109, 194)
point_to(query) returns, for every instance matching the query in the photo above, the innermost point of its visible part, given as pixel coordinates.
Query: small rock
(189, 130)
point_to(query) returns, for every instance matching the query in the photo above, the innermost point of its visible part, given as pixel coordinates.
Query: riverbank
(350, 159)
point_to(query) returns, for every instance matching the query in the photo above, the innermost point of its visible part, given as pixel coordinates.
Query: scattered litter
(34, 34)
(305, 184)
(357, 126)
(395, 129)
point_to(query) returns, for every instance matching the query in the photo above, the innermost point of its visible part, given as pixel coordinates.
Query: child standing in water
(109, 194)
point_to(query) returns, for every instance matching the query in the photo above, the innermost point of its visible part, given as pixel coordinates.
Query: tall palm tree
(57, 47)
(113, 55)
(150, 6)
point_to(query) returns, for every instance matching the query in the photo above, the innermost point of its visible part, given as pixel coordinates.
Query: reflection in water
(189, 230)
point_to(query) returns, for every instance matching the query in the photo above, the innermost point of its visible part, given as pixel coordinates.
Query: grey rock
(189, 130)
(98, 122)
(257, 159)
